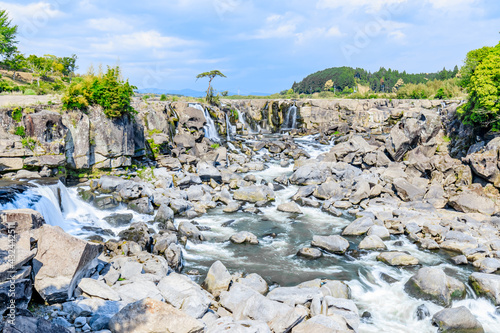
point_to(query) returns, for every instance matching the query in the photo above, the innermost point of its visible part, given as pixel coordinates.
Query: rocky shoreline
(394, 169)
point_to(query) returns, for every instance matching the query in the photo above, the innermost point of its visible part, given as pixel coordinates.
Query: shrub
(20, 131)
(17, 114)
(163, 97)
(107, 90)
(29, 92)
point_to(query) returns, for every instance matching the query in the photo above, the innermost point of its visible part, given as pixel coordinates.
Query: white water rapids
(281, 235)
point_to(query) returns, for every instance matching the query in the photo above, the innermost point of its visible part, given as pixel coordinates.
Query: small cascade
(290, 121)
(209, 128)
(230, 129)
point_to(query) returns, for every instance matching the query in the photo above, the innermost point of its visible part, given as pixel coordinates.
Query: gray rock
(254, 193)
(142, 206)
(184, 294)
(289, 207)
(98, 289)
(310, 174)
(152, 316)
(294, 295)
(358, 227)
(336, 289)
(207, 172)
(333, 244)
(470, 202)
(487, 285)
(342, 307)
(173, 254)
(191, 232)
(135, 291)
(227, 324)
(372, 242)
(244, 237)
(119, 220)
(323, 324)
(379, 231)
(460, 260)
(407, 191)
(25, 324)
(360, 191)
(256, 282)
(233, 207)
(55, 282)
(309, 252)
(164, 214)
(457, 320)
(432, 284)
(328, 191)
(218, 279)
(180, 206)
(395, 258)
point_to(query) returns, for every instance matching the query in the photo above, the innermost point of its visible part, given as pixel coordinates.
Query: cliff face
(43, 138)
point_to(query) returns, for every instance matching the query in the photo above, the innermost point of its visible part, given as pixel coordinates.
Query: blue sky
(262, 46)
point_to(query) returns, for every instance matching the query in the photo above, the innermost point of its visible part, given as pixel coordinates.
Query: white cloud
(371, 5)
(450, 4)
(142, 40)
(36, 11)
(333, 32)
(277, 26)
(109, 24)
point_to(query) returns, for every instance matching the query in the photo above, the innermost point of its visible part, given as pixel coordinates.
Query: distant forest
(347, 78)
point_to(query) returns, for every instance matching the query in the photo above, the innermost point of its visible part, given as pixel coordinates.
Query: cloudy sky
(262, 46)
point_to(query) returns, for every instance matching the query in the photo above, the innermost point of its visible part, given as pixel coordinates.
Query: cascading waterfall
(290, 118)
(209, 128)
(242, 118)
(230, 129)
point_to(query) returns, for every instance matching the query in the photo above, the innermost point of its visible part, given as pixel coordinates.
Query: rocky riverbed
(360, 223)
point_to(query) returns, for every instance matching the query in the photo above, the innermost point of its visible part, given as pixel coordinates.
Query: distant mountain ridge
(186, 92)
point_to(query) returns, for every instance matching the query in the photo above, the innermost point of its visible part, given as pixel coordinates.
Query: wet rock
(457, 320)
(432, 284)
(310, 174)
(131, 190)
(244, 237)
(99, 289)
(142, 206)
(119, 220)
(150, 316)
(289, 207)
(173, 254)
(379, 231)
(397, 259)
(184, 294)
(487, 265)
(309, 252)
(333, 244)
(233, 207)
(487, 285)
(105, 202)
(137, 232)
(218, 279)
(328, 191)
(422, 312)
(345, 308)
(24, 324)
(460, 260)
(361, 191)
(190, 231)
(372, 242)
(336, 289)
(180, 206)
(254, 193)
(164, 214)
(207, 172)
(55, 282)
(255, 282)
(358, 227)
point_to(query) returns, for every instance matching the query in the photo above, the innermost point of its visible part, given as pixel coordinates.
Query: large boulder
(24, 324)
(55, 282)
(484, 163)
(153, 316)
(470, 202)
(487, 285)
(407, 191)
(323, 324)
(333, 244)
(218, 279)
(358, 227)
(432, 284)
(311, 174)
(457, 320)
(294, 295)
(207, 171)
(98, 289)
(254, 193)
(180, 291)
(395, 258)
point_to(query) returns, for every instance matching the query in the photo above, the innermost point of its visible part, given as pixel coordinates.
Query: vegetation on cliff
(108, 90)
(481, 78)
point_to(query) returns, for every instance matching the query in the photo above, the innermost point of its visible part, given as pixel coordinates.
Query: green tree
(481, 78)
(69, 64)
(7, 35)
(15, 62)
(210, 75)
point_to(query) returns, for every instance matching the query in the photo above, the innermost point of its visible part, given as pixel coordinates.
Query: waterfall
(242, 118)
(209, 128)
(230, 129)
(290, 121)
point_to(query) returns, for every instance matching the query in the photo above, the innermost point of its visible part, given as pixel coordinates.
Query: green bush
(163, 97)
(481, 78)
(107, 90)
(29, 92)
(17, 114)
(20, 131)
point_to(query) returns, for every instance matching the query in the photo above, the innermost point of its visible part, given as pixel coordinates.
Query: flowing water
(290, 121)
(281, 235)
(209, 128)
